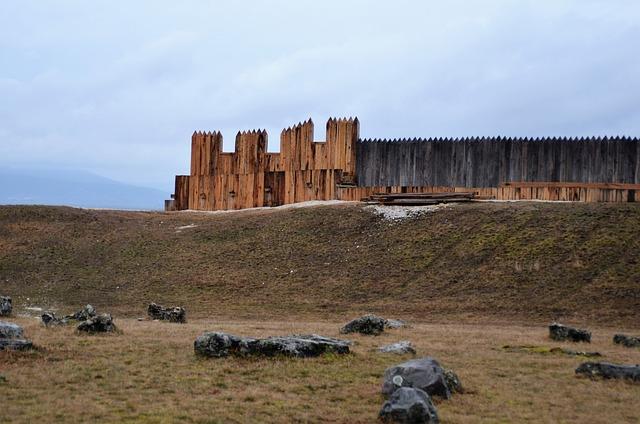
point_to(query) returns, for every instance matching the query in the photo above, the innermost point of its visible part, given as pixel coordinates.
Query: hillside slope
(481, 261)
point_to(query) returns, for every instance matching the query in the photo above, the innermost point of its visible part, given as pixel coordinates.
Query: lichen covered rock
(50, 319)
(173, 314)
(395, 323)
(562, 333)
(5, 306)
(409, 405)
(98, 324)
(367, 324)
(215, 344)
(83, 314)
(626, 341)
(12, 337)
(424, 374)
(400, 348)
(607, 370)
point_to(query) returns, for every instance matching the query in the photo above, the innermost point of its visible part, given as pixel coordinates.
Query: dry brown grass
(530, 262)
(149, 373)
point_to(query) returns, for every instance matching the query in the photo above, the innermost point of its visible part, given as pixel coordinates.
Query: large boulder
(626, 341)
(172, 314)
(87, 312)
(562, 333)
(98, 324)
(218, 345)
(367, 324)
(399, 348)
(409, 405)
(300, 346)
(5, 306)
(606, 370)
(424, 374)
(12, 337)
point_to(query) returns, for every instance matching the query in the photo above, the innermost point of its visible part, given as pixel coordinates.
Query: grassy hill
(529, 262)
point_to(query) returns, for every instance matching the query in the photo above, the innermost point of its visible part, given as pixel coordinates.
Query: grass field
(149, 373)
(521, 262)
(470, 278)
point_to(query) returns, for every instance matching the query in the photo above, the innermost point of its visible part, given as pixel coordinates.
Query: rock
(15, 344)
(424, 373)
(395, 323)
(550, 350)
(84, 314)
(367, 324)
(5, 306)
(98, 324)
(626, 341)
(219, 345)
(399, 348)
(11, 337)
(571, 352)
(409, 405)
(300, 346)
(9, 330)
(173, 314)
(453, 382)
(607, 370)
(561, 332)
(49, 318)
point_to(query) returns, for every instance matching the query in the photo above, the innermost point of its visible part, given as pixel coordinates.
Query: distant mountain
(74, 188)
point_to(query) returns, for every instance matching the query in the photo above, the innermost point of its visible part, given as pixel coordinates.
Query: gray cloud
(118, 87)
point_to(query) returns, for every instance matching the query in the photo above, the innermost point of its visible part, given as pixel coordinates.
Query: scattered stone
(15, 344)
(550, 350)
(98, 324)
(140, 319)
(395, 323)
(84, 314)
(399, 348)
(174, 314)
(11, 337)
(367, 324)
(219, 345)
(5, 306)
(453, 381)
(626, 341)
(424, 373)
(561, 332)
(49, 318)
(606, 370)
(409, 405)
(9, 330)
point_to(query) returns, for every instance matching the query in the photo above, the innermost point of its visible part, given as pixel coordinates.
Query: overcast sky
(117, 87)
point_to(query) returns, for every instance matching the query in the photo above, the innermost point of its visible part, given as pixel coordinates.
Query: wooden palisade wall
(346, 168)
(252, 177)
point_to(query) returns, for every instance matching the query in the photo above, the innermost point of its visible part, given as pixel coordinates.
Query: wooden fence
(489, 162)
(252, 177)
(346, 168)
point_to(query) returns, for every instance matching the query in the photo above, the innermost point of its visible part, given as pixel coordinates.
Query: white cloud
(119, 86)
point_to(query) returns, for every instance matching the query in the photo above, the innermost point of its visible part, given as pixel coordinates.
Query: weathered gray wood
(489, 162)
